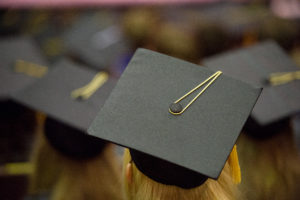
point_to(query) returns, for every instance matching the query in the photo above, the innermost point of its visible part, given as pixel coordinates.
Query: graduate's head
(138, 185)
(21, 65)
(267, 144)
(175, 141)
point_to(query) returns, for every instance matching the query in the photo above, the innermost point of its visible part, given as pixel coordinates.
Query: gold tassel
(40, 118)
(283, 77)
(233, 161)
(30, 69)
(88, 90)
(19, 168)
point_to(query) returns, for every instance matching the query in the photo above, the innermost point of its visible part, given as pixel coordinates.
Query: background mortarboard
(254, 65)
(16, 122)
(13, 49)
(200, 140)
(96, 39)
(52, 95)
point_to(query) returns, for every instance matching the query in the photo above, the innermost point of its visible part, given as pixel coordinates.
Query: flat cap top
(52, 94)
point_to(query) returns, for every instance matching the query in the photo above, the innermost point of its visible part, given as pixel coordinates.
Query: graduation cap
(96, 39)
(21, 64)
(173, 140)
(70, 95)
(267, 65)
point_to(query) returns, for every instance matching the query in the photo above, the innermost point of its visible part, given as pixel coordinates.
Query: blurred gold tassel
(284, 77)
(40, 118)
(18, 168)
(233, 161)
(30, 69)
(88, 90)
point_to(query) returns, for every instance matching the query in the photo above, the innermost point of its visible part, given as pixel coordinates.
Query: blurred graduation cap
(267, 65)
(21, 64)
(96, 39)
(70, 95)
(170, 140)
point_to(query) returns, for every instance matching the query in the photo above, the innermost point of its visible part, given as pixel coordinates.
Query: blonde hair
(142, 187)
(271, 166)
(98, 178)
(45, 161)
(65, 178)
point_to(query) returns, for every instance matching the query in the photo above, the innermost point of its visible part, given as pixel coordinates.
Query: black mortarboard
(255, 65)
(19, 56)
(184, 149)
(96, 39)
(53, 96)
(13, 51)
